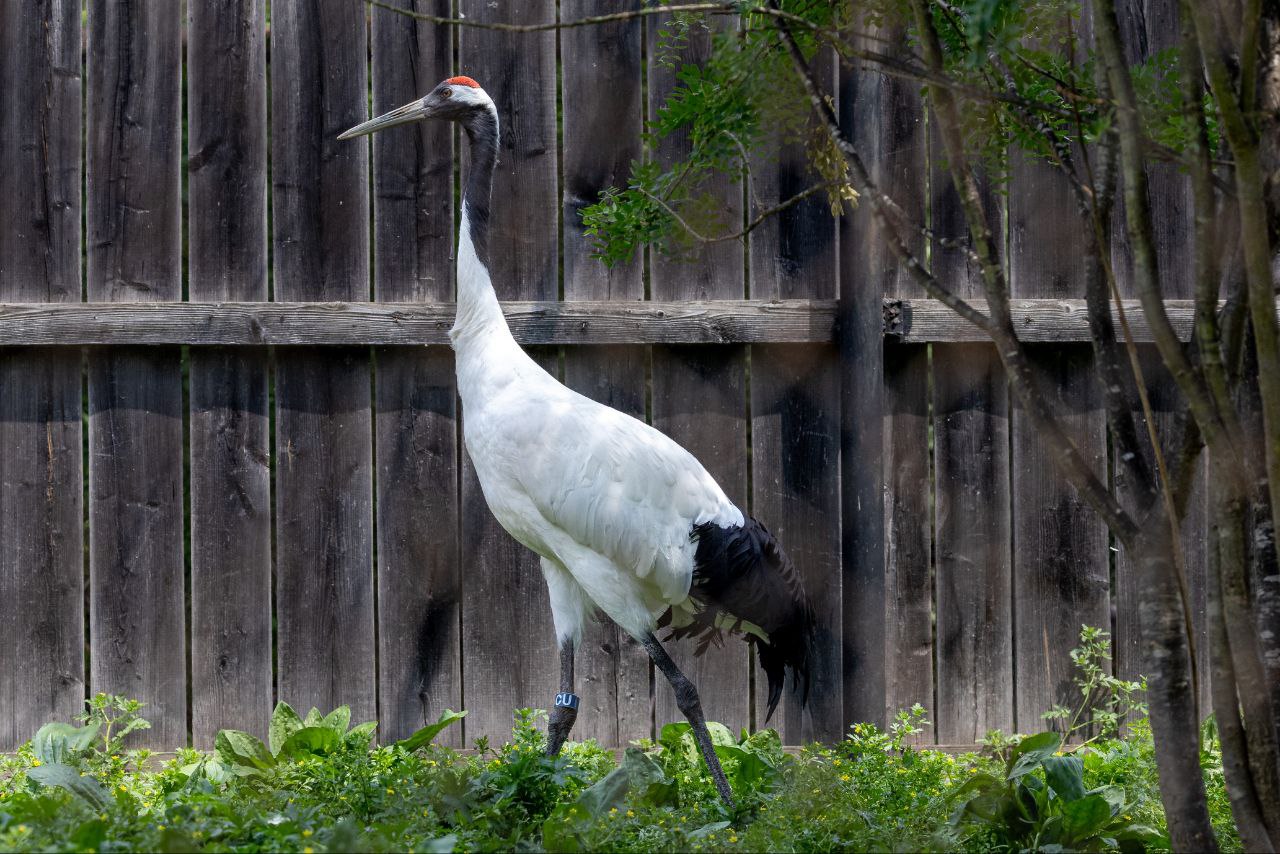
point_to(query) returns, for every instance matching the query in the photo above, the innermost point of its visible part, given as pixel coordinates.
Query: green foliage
(1105, 700)
(1026, 83)
(70, 789)
(1040, 802)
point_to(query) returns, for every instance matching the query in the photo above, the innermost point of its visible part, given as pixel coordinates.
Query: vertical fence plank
(1147, 28)
(971, 495)
(602, 114)
(419, 578)
(893, 661)
(231, 683)
(135, 394)
(324, 473)
(795, 423)
(699, 397)
(504, 599)
(41, 504)
(1061, 575)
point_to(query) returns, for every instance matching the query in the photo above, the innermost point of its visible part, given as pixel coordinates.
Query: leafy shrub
(318, 784)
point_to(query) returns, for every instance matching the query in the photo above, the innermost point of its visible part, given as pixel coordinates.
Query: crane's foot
(563, 715)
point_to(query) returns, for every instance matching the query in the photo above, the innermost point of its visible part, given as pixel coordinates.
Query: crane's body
(624, 519)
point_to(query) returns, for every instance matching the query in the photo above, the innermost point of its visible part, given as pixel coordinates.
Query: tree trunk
(1167, 665)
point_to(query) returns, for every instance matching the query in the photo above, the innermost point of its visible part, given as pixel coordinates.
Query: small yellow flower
(308, 850)
(159, 827)
(733, 839)
(844, 778)
(35, 763)
(307, 832)
(613, 811)
(391, 791)
(631, 814)
(122, 788)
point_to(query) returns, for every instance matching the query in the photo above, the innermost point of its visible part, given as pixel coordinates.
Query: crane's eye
(446, 92)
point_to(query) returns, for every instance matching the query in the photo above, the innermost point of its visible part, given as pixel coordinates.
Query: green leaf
(706, 829)
(338, 720)
(241, 750)
(1065, 775)
(284, 723)
(1030, 752)
(318, 740)
(441, 845)
(58, 742)
(1085, 817)
(313, 718)
(637, 773)
(362, 734)
(720, 734)
(57, 775)
(427, 734)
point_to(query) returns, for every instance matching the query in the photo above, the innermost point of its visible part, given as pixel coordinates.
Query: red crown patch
(463, 81)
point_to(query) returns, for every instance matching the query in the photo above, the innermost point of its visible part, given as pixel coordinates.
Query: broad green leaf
(362, 734)
(706, 829)
(58, 742)
(1030, 752)
(338, 720)
(1065, 775)
(637, 773)
(62, 776)
(671, 734)
(313, 718)
(1084, 818)
(311, 739)
(284, 723)
(427, 734)
(240, 749)
(720, 734)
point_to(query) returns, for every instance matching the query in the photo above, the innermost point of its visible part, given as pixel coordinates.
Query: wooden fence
(226, 479)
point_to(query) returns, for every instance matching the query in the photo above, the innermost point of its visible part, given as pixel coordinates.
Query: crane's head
(458, 99)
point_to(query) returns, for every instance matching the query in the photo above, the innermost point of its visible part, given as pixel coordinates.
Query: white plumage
(607, 501)
(624, 519)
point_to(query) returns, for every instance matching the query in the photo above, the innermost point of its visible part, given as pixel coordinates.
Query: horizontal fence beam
(576, 322)
(361, 323)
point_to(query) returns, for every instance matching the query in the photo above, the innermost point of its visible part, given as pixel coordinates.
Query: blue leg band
(567, 700)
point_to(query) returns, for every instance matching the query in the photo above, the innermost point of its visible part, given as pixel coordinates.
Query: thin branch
(751, 226)
(593, 20)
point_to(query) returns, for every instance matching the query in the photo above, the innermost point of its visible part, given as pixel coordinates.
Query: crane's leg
(565, 711)
(687, 700)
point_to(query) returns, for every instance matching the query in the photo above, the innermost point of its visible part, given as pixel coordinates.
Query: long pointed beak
(410, 112)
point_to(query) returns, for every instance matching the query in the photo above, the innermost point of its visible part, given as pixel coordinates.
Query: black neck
(482, 133)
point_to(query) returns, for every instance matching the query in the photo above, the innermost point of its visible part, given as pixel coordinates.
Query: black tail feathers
(744, 582)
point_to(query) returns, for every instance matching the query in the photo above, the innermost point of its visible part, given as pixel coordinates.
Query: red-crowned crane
(624, 519)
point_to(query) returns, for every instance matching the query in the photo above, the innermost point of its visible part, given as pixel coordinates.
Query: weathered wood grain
(972, 543)
(134, 251)
(324, 447)
(602, 113)
(795, 424)
(231, 655)
(419, 575)
(508, 643)
(1061, 560)
(41, 469)
(335, 324)
(699, 396)
(884, 116)
(363, 323)
(519, 72)
(908, 606)
(972, 530)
